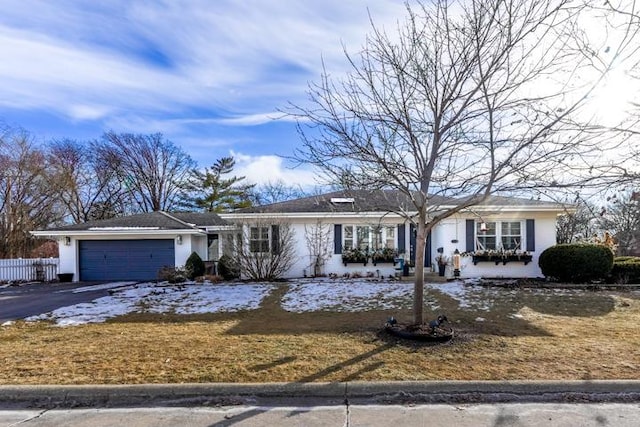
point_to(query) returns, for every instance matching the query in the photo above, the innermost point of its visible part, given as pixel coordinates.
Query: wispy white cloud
(211, 76)
(271, 168)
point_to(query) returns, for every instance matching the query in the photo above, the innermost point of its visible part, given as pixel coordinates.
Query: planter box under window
(497, 259)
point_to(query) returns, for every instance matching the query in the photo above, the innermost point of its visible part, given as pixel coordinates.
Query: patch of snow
(8, 323)
(153, 298)
(473, 297)
(347, 296)
(480, 319)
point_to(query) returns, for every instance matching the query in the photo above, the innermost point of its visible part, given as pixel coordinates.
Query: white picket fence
(29, 269)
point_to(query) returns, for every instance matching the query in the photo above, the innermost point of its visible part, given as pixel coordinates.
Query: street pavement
(462, 415)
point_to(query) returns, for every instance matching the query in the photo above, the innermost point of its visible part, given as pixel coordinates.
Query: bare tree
(152, 169)
(466, 99)
(579, 225)
(266, 250)
(318, 240)
(621, 218)
(87, 189)
(274, 192)
(26, 199)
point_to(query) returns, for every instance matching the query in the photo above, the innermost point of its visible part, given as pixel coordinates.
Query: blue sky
(209, 74)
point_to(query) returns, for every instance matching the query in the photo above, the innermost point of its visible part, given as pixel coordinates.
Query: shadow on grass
(485, 311)
(354, 360)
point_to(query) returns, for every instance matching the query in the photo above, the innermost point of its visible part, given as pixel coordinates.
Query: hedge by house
(194, 266)
(228, 268)
(576, 263)
(626, 270)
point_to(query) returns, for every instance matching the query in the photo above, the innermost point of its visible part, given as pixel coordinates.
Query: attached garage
(134, 247)
(124, 259)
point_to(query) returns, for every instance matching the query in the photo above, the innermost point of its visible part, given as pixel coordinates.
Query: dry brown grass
(595, 336)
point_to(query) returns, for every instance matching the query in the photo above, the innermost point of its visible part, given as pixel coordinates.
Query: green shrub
(576, 263)
(194, 266)
(228, 268)
(626, 270)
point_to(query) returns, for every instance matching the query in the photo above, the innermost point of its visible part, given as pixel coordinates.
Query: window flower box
(501, 257)
(353, 256)
(386, 255)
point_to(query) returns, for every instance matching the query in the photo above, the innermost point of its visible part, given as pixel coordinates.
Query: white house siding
(303, 262)
(443, 235)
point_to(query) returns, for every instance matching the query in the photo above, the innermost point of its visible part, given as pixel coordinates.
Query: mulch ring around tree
(422, 332)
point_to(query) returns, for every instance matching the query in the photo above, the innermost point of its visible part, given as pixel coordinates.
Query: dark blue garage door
(124, 259)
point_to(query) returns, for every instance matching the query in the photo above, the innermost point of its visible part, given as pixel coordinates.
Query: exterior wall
(304, 262)
(545, 236)
(69, 258)
(450, 234)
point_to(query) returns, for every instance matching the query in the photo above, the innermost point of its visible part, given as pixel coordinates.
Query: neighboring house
(505, 234)
(136, 247)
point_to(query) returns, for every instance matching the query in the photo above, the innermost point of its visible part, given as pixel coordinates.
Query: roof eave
(123, 232)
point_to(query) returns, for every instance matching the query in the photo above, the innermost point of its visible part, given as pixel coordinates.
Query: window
(511, 236)
(259, 239)
(363, 236)
(504, 235)
(486, 240)
(368, 238)
(348, 237)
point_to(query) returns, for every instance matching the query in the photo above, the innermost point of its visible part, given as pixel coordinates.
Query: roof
(384, 201)
(346, 201)
(149, 221)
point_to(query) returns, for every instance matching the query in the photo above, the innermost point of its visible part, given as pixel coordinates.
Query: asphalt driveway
(18, 302)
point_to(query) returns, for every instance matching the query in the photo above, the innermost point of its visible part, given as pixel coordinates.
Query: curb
(314, 394)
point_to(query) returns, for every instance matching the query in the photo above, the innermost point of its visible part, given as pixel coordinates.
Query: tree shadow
(267, 366)
(354, 360)
(480, 311)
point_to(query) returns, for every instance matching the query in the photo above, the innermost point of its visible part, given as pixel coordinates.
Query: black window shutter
(471, 235)
(402, 243)
(531, 235)
(412, 243)
(337, 238)
(275, 239)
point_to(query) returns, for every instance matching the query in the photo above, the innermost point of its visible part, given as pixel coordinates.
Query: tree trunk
(418, 286)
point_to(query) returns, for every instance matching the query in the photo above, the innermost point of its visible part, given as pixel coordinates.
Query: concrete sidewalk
(461, 415)
(318, 394)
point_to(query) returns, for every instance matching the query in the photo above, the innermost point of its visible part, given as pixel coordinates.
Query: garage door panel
(124, 259)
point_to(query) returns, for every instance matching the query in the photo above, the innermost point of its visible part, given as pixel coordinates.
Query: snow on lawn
(304, 295)
(153, 298)
(349, 295)
(363, 295)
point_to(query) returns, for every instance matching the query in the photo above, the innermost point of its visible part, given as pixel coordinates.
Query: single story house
(136, 247)
(502, 237)
(335, 233)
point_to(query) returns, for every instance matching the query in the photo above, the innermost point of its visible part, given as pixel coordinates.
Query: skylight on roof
(342, 200)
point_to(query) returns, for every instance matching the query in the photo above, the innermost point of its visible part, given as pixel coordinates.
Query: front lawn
(324, 331)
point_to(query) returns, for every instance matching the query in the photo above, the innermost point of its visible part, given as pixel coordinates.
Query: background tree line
(68, 181)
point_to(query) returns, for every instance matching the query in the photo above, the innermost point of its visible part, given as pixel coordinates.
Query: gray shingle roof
(363, 201)
(379, 201)
(159, 220)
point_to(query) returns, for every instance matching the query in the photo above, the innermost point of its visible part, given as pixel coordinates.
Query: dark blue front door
(427, 247)
(124, 259)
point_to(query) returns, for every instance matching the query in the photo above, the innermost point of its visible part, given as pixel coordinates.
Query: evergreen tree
(216, 193)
